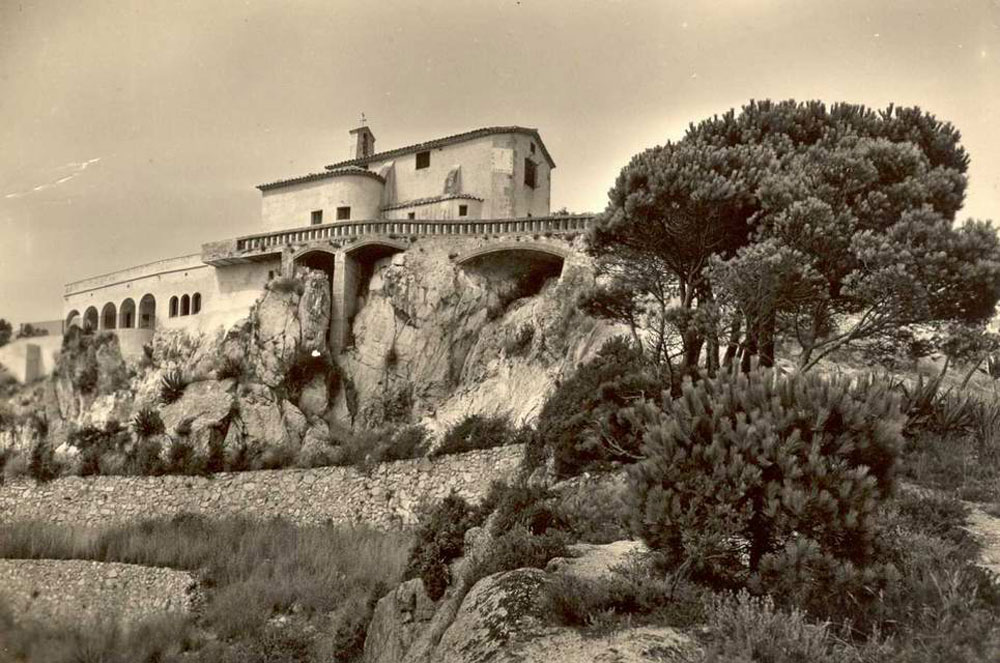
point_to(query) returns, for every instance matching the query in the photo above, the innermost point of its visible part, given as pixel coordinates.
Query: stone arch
(517, 269)
(147, 312)
(73, 320)
(126, 314)
(384, 245)
(91, 318)
(359, 267)
(185, 305)
(196, 303)
(325, 261)
(109, 316)
(502, 247)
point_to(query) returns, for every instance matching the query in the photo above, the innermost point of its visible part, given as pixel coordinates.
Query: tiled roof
(447, 140)
(432, 199)
(319, 176)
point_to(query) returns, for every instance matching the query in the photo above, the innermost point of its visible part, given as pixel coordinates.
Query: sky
(135, 130)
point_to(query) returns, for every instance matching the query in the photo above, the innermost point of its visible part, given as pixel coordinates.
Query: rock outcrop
(459, 339)
(499, 618)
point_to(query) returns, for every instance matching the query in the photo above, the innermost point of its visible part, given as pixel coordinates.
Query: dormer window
(317, 217)
(423, 160)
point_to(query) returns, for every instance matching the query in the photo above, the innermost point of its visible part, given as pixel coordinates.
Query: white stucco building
(494, 179)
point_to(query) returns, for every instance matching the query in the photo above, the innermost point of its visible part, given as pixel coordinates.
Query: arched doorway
(90, 319)
(147, 312)
(109, 316)
(72, 320)
(126, 314)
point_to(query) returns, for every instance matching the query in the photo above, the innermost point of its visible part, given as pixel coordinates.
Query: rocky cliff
(432, 341)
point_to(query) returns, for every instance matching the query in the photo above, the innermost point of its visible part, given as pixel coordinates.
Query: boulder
(315, 399)
(204, 404)
(295, 422)
(276, 335)
(496, 612)
(397, 620)
(261, 416)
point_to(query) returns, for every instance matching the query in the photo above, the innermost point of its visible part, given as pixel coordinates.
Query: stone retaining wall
(80, 593)
(388, 497)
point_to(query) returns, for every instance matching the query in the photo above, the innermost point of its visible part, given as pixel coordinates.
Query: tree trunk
(734, 344)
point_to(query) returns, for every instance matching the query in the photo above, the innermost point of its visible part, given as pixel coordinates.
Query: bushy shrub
(181, 459)
(477, 431)
(144, 458)
(635, 590)
(522, 505)
(231, 368)
(96, 445)
(518, 548)
(172, 384)
(42, 464)
(569, 422)
(146, 423)
(286, 285)
(749, 629)
(758, 475)
(304, 367)
(594, 512)
(439, 539)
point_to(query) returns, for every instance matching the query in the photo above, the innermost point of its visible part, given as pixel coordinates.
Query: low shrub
(144, 458)
(749, 628)
(181, 459)
(567, 429)
(594, 512)
(632, 592)
(42, 463)
(146, 423)
(172, 385)
(477, 431)
(286, 285)
(231, 368)
(522, 505)
(519, 548)
(97, 445)
(440, 538)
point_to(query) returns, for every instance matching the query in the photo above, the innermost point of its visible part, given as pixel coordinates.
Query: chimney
(365, 142)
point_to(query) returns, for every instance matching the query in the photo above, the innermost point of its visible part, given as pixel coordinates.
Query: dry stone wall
(387, 497)
(81, 593)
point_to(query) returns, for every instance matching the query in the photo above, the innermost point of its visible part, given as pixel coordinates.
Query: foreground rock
(499, 619)
(82, 593)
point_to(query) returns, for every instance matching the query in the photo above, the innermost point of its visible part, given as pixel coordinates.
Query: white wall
(292, 206)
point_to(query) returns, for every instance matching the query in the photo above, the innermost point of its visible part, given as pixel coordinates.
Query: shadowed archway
(109, 316)
(126, 314)
(90, 319)
(147, 312)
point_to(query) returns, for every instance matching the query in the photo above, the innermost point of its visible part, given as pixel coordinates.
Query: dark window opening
(196, 303)
(270, 274)
(343, 213)
(532, 148)
(423, 160)
(529, 173)
(185, 305)
(463, 210)
(317, 217)
(411, 215)
(173, 307)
